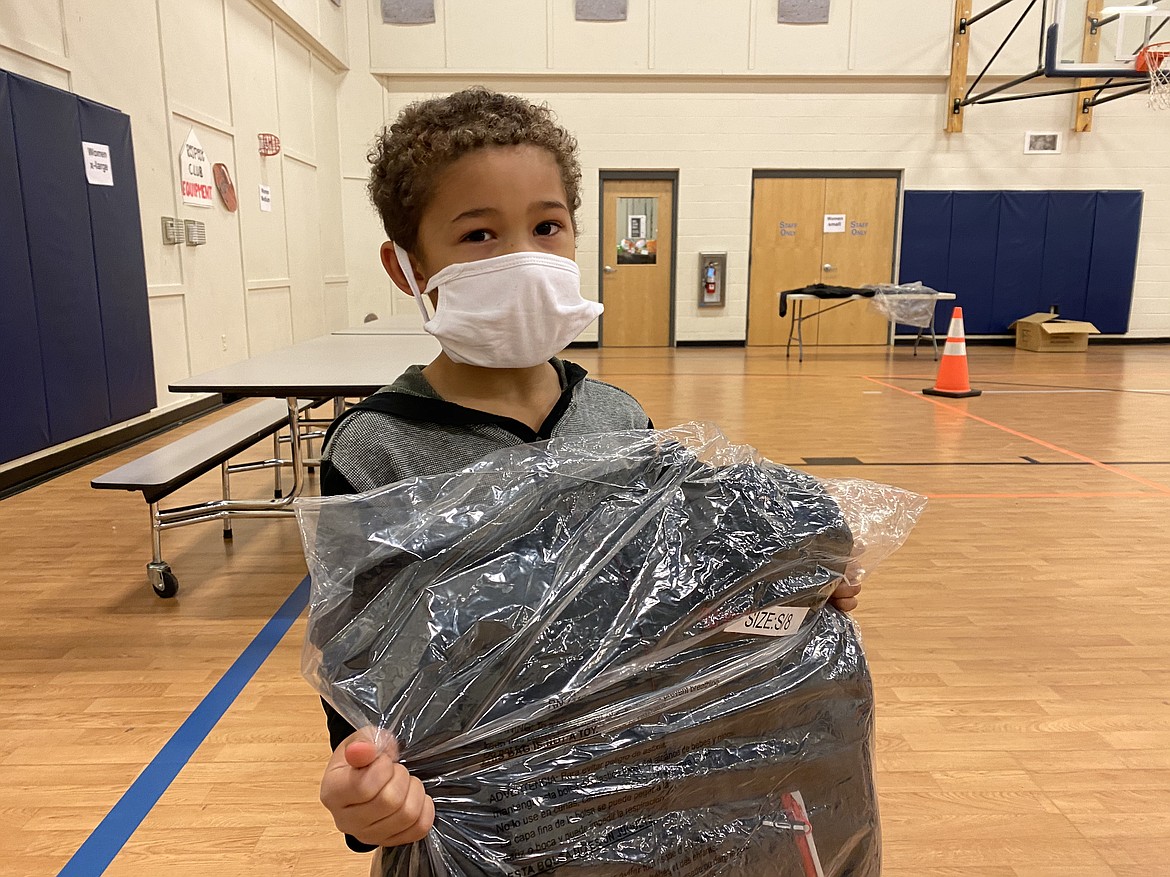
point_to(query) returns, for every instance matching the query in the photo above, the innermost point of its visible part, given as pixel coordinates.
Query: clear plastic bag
(612, 655)
(911, 304)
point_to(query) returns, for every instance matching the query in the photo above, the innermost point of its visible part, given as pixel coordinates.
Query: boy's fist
(373, 797)
(845, 597)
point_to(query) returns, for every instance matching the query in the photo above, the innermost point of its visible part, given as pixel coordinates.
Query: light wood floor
(1019, 642)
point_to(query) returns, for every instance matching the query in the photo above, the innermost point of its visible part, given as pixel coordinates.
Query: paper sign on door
(834, 223)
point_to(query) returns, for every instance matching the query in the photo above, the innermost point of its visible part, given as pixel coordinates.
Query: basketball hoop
(269, 144)
(1154, 59)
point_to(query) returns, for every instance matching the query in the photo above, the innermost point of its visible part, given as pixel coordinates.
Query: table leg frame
(226, 509)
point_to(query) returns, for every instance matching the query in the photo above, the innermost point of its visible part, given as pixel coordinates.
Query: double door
(833, 230)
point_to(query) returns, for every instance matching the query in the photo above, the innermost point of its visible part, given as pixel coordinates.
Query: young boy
(478, 193)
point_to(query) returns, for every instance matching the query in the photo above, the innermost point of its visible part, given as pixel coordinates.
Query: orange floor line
(1016, 375)
(1161, 488)
(1068, 495)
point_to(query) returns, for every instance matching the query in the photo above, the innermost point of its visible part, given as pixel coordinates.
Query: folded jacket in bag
(608, 656)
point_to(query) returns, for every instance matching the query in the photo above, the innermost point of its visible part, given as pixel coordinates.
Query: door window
(637, 231)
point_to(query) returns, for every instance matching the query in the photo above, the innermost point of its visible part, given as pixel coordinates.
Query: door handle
(609, 269)
(829, 267)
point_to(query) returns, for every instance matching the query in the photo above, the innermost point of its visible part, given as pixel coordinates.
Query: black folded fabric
(606, 657)
(821, 290)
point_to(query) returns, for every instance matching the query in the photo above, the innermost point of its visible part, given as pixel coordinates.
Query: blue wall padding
(1114, 262)
(1019, 265)
(926, 246)
(74, 314)
(121, 267)
(974, 244)
(1009, 254)
(926, 236)
(1068, 251)
(24, 414)
(56, 213)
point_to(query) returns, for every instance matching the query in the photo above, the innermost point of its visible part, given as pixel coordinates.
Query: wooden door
(791, 249)
(787, 217)
(638, 260)
(861, 254)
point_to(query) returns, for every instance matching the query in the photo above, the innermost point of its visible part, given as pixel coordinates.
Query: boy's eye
(478, 236)
(548, 228)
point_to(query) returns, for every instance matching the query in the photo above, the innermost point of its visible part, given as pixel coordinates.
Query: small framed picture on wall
(1042, 143)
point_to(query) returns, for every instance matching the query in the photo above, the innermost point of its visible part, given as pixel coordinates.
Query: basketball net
(1160, 85)
(1155, 60)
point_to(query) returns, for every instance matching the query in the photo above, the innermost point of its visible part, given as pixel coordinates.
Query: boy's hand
(373, 797)
(845, 597)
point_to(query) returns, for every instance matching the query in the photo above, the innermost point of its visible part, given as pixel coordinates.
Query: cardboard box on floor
(1047, 333)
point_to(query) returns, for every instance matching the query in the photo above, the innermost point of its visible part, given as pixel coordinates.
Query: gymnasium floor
(1018, 641)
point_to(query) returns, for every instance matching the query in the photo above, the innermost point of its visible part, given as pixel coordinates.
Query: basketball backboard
(1095, 39)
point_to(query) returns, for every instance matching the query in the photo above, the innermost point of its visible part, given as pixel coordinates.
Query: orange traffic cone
(952, 380)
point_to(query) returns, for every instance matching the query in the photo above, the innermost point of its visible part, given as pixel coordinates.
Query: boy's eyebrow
(477, 212)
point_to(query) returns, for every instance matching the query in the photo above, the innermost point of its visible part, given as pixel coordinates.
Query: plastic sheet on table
(910, 304)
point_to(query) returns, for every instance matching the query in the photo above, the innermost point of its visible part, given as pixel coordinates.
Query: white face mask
(513, 311)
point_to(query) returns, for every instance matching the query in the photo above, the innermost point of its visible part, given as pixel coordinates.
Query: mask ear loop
(404, 264)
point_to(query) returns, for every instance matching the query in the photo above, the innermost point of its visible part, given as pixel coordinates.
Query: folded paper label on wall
(601, 10)
(408, 11)
(99, 170)
(195, 173)
(803, 12)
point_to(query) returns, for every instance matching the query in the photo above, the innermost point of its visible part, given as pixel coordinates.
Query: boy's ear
(390, 263)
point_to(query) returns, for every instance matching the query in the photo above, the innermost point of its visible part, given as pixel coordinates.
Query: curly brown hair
(429, 136)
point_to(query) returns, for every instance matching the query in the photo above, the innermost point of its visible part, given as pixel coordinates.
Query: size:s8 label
(775, 621)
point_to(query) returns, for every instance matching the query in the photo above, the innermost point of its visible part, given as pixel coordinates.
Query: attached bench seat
(160, 473)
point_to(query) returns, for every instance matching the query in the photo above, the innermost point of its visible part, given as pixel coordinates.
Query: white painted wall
(712, 90)
(229, 69)
(716, 91)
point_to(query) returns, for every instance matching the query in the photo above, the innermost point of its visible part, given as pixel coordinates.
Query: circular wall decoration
(223, 184)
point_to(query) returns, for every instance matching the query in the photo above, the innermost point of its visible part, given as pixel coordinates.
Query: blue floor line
(111, 834)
